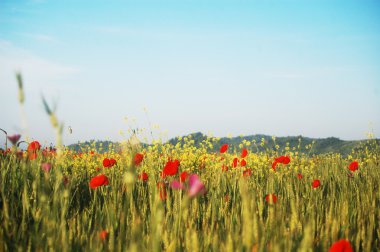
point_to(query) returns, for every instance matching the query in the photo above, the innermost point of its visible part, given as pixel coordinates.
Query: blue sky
(226, 67)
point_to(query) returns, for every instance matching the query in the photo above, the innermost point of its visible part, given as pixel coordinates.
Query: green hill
(299, 143)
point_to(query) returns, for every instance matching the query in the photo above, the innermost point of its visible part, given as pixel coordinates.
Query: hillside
(319, 145)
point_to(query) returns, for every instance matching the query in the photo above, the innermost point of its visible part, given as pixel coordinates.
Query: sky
(286, 67)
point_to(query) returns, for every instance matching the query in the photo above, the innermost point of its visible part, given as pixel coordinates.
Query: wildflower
(299, 175)
(183, 176)
(247, 173)
(46, 167)
(138, 159)
(353, 166)
(244, 153)
(316, 183)
(143, 176)
(14, 138)
(196, 187)
(103, 235)
(271, 198)
(282, 160)
(162, 189)
(235, 162)
(224, 148)
(176, 185)
(112, 162)
(33, 147)
(171, 168)
(224, 167)
(108, 163)
(341, 246)
(99, 180)
(243, 163)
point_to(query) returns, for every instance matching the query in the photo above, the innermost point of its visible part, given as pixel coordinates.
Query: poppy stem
(18, 144)
(6, 138)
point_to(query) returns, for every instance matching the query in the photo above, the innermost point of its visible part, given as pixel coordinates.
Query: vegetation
(139, 199)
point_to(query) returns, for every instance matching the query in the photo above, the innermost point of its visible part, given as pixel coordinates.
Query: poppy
(162, 189)
(108, 163)
(99, 180)
(282, 160)
(247, 173)
(341, 246)
(176, 185)
(224, 167)
(112, 162)
(316, 183)
(46, 167)
(33, 147)
(271, 197)
(224, 148)
(14, 138)
(138, 159)
(299, 175)
(243, 163)
(183, 176)
(235, 162)
(103, 235)
(196, 187)
(244, 153)
(171, 168)
(353, 166)
(143, 176)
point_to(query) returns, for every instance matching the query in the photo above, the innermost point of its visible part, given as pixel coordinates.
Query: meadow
(182, 197)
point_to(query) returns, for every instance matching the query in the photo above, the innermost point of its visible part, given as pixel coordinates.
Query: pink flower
(46, 167)
(176, 185)
(196, 187)
(14, 138)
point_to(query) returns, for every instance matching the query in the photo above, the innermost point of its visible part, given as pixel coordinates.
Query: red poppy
(112, 162)
(243, 163)
(341, 246)
(224, 167)
(171, 168)
(316, 183)
(103, 235)
(274, 165)
(99, 180)
(143, 176)
(33, 147)
(224, 148)
(244, 153)
(282, 160)
(138, 158)
(162, 189)
(270, 197)
(235, 162)
(108, 163)
(353, 166)
(247, 173)
(183, 176)
(299, 175)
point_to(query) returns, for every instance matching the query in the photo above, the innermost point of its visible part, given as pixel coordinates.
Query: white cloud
(37, 69)
(39, 37)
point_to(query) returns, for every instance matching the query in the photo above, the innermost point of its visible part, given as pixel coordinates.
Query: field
(187, 198)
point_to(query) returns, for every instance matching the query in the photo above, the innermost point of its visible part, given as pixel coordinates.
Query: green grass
(39, 212)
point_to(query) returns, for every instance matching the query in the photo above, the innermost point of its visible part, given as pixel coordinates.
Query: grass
(58, 211)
